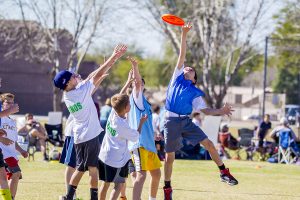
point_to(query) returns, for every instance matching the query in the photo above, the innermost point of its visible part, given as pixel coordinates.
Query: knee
(169, 159)
(141, 177)
(156, 174)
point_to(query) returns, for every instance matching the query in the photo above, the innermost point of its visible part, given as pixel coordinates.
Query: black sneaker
(227, 177)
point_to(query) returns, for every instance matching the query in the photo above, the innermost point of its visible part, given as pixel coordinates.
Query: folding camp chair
(245, 143)
(287, 147)
(55, 136)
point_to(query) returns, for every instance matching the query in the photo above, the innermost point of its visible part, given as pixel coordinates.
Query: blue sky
(124, 25)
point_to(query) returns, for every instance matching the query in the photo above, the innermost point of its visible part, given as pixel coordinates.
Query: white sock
(151, 198)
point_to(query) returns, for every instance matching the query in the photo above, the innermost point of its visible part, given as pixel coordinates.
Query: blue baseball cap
(62, 78)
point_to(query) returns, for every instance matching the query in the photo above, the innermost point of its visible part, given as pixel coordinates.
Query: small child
(114, 154)
(10, 151)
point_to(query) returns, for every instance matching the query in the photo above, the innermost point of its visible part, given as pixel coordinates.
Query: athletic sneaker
(168, 193)
(227, 177)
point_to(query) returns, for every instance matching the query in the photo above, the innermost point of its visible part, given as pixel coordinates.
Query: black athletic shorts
(111, 174)
(87, 154)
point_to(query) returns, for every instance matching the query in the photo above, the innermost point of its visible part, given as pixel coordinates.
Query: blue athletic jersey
(146, 138)
(180, 96)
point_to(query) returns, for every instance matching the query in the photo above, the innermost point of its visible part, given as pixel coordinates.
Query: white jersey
(9, 125)
(81, 106)
(114, 150)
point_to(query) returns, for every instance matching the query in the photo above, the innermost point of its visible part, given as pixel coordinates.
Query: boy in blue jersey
(182, 98)
(144, 154)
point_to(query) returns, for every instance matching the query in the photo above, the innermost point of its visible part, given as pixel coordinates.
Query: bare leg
(169, 160)
(123, 189)
(93, 173)
(133, 176)
(116, 191)
(3, 180)
(138, 185)
(43, 146)
(210, 147)
(103, 190)
(68, 174)
(13, 183)
(76, 177)
(154, 182)
(37, 134)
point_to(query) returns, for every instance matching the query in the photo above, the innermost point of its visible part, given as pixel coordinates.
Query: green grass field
(192, 180)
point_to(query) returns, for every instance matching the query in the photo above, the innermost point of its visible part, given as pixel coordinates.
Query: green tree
(287, 50)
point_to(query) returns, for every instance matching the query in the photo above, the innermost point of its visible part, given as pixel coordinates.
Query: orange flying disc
(173, 19)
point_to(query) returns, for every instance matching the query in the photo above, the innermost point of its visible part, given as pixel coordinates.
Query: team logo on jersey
(74, 108)
(110, 129)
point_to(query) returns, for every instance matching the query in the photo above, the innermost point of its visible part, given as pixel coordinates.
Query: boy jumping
(78, 99)
(144, 153)
(182, 98)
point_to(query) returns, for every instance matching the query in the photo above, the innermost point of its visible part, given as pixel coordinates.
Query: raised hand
(130, 76)
(187, 27)
(227, 109)
(133, 61)
(119, 51)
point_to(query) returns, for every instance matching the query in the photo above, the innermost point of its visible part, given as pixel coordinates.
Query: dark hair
(155, 108)
(27, 115)
(195, 114)
(143, 81)
(195, 77)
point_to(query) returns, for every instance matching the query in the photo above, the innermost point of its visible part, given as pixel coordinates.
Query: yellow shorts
(145, 160)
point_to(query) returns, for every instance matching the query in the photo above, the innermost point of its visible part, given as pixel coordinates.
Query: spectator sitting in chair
(35, 130)
(284, 126)
(227, 140)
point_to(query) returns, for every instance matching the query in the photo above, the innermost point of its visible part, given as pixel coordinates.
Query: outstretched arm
(136, 75)
(97, 74)
(225, 110)
(99, 82)
(130, 79)
(181, 58)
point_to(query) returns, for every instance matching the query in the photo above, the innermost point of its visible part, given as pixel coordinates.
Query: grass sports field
(192, 180)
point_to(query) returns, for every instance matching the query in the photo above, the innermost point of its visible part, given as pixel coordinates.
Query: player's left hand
(227, 110)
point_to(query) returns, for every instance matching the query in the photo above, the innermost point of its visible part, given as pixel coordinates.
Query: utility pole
(265, 76)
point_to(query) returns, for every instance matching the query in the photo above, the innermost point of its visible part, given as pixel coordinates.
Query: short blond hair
(119, 102)
(6, 96)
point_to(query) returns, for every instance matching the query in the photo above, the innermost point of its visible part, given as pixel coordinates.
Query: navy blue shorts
(68, 155)
(177, 128)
